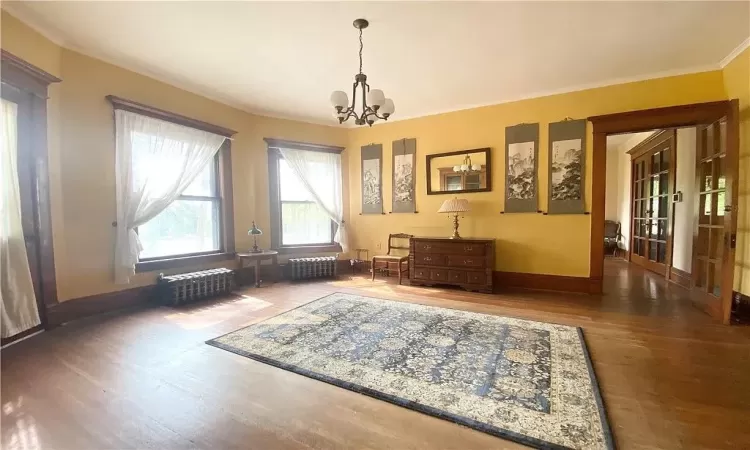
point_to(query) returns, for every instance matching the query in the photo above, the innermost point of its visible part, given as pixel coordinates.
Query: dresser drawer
(451, 248)
(466, 261)
(476, 278)
(429, 260)
(438, 274)
(421, 273)
(457, 276)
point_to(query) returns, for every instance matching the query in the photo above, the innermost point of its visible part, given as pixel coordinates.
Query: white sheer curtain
(19, 310)
(154, 162)
(320, 174)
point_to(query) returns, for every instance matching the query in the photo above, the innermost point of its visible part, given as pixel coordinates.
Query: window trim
(27, 86)
(274, 191)
(223, 161)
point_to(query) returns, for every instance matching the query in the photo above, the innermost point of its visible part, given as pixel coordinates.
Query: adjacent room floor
(670, 377)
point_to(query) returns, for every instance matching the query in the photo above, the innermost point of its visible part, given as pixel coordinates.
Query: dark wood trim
(17, 337)
(649, 143)
(659, 118)
(99, 304)
(679, 277)
(226, 192)
(488, 171)
(629, 122)
(182, 261)
(26, 85)
(281, 143)
(22, 75)
(156, 113)
(544, 282)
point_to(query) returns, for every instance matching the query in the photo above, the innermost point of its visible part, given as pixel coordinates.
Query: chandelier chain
(361, 46)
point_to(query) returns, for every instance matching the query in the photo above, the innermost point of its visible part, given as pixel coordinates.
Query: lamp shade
(454, 205)
(339, 99)
(254, 230)
(376, 98)
(388, 107)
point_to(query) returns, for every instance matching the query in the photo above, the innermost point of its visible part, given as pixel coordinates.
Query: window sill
(303, 249)
(187, 261)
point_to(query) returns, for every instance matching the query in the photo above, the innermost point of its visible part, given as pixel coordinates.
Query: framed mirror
(458, 172)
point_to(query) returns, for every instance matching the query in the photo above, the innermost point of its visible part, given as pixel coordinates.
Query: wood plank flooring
(670, 376)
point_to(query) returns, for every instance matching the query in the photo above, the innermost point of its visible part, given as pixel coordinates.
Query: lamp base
(256, 249)
(455, 228)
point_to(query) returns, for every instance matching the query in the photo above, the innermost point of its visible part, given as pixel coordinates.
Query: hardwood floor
(669, 375)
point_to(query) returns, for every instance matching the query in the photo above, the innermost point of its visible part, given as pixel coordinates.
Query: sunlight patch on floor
(213, 313)
(23, 434)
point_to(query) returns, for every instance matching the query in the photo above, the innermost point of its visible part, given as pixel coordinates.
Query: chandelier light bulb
(376, 98)
(339, 99)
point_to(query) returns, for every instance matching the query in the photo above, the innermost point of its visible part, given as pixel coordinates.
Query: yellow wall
(82, 155)
(525, 242)
(737, 84)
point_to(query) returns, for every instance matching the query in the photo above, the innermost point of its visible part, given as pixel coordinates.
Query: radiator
(188, 287)
(306, 268)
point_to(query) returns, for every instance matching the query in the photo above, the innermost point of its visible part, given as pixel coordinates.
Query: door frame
(27, 85)
(639, 121)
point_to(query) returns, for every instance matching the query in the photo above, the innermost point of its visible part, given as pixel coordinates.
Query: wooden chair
(612, 236)
(386, 262)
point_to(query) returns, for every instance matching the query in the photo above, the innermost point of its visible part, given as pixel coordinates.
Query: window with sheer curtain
(191, 224)
(303, 221)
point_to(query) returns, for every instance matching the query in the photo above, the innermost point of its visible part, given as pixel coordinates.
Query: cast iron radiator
(188, 287)
(305, 268)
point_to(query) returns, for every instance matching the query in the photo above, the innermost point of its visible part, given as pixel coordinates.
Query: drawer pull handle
(427, 247)
(468, 261)
(427, 258)
(468, 248)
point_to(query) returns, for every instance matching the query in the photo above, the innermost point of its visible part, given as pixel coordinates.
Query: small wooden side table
(256, 258)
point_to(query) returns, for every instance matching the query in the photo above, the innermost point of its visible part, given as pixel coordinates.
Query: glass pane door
(640, 189)
(709, 242)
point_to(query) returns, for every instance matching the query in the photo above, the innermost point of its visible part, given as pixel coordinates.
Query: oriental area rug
(529, 382)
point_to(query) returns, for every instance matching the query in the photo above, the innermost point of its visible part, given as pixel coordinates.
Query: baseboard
(680, 277)
(98, 304)
(540, 281)
(22, 335)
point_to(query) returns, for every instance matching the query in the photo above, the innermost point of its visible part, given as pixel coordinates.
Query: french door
(653, 185)
(715, 226)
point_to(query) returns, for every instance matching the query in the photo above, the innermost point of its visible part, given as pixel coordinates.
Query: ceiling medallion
(374, 104)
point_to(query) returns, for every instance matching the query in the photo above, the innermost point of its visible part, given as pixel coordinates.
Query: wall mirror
(459, 172)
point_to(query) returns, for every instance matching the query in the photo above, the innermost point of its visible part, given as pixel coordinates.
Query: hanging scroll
(521, 166)
(567, 157)
(404, 176)
(372, 176)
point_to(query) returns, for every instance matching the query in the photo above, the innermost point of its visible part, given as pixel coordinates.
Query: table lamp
(455, 206)
(255, 232)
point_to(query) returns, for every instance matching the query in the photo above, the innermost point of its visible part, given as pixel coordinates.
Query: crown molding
(735, 53)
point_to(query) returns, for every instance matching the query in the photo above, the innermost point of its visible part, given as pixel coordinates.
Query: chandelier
(466, 166)
(374, 104)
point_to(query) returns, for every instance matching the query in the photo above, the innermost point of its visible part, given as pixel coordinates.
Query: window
(303, 222)
(191, 224)
(196, 227)
(298, 223)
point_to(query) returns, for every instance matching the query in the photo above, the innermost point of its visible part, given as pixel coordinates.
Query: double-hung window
(190, 225)
(298, 221)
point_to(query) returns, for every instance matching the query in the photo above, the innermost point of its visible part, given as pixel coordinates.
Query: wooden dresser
(467, 262)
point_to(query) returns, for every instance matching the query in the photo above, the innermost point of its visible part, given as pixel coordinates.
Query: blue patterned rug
(530, 382)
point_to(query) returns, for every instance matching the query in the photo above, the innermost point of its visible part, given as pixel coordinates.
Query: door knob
(727, 208)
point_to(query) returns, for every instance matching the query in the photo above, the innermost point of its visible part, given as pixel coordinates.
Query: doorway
(716, 164)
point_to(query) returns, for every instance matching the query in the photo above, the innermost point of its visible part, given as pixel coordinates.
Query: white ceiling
(284, 59)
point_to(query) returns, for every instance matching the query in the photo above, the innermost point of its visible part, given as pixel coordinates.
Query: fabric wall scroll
(521, 166)
(404, 175)
(567, 156)
(372, 176)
